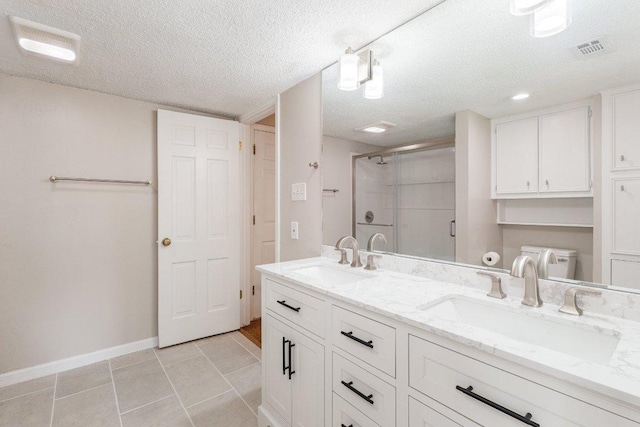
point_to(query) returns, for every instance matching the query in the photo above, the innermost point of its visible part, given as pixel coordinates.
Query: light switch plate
(299, 191)
(294, 230)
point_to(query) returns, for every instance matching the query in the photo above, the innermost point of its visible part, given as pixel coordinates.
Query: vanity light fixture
(355, 69)
(374, 88)
(520, 96)
(46, 42)
(377, 127)
(551, 19)
(526, 7)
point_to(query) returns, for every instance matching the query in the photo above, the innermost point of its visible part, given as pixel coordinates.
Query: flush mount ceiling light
(45, 42)
(551, 19)
(520, 96)
(360, 68)
(377, 127)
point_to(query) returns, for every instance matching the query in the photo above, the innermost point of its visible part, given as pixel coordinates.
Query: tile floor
(211, 382)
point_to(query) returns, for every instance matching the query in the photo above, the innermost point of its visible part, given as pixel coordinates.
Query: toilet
(566, 266)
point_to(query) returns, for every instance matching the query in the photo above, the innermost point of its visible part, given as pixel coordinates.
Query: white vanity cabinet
(626, 130)
(369, 370)
(543, 154)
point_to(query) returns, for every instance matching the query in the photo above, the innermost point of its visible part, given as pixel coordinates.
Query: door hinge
(254, 149)
(240, 145)
(253, 290)
(254, 220)
(240, 293)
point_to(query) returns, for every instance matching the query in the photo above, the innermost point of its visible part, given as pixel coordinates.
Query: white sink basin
(331, 275)
(566, 337)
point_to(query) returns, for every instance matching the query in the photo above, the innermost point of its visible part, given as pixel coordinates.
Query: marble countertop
(403, 297)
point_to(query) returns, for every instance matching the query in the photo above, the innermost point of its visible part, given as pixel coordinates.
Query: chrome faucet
(373, 238)
(546, 257)
(524, 267)
(355, 260)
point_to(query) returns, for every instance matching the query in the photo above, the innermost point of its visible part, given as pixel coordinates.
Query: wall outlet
(299, 191)
(294, 230)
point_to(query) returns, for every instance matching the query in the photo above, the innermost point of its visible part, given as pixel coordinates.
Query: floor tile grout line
(244, 367)
(173, 388)
(130, 364)
(212, 397)
(53, 403)
(78, 392)
(146, 404)
(228, 382)
(243, 346)
(180, 361)
(26, 394)
(115, 393)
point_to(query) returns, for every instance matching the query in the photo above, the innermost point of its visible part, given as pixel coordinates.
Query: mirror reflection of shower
(407, 194)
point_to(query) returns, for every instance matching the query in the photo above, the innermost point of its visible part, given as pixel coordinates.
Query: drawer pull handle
(342, 425)
(350, 386)
(356, 339)
(283, 302)
(526, 419)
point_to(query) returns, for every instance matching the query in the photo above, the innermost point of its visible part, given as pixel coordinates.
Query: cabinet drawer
(437, 372)
(369, 340)
(625, 273)
(421, 415)
(345, 415)
(301, 309)
(360, 388)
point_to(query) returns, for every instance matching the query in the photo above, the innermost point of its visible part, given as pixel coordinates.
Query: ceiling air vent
(595, 47)
(46, 42)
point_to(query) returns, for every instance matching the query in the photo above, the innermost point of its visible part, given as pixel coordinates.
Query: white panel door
(198, 227)
(626, 212)
(626, 130)
(307, 361)
(565, 151)
(517, 157)
(277, 385)
(264, 210)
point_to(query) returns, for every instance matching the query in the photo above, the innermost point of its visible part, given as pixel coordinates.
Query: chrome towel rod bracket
(54, 178)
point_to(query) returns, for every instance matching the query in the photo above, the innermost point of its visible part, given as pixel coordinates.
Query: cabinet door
(625, 274)
(277, 385)
(626, 214)
(517, 157)
(626, 130)
(421, 415)
(565, 151)
(307, 361)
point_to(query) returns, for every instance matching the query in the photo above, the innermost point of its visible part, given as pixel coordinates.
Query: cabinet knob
(622, 188)
(166, 241)
(527, 184)
(546, 182)
(622, 158)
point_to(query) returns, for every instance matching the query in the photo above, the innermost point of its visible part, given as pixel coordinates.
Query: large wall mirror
(456, 137)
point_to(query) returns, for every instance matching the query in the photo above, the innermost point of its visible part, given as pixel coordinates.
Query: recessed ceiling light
(520, 96)
(377, 127)
(45, 42)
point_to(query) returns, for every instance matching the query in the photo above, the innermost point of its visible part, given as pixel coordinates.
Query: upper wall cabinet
(626, 131)
(543, 154)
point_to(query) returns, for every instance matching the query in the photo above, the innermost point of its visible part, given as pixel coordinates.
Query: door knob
(166, 241)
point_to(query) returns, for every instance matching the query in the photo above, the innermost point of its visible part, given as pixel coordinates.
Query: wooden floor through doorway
(253, 332)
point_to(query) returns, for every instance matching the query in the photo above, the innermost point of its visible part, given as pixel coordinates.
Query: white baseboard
(38, 371)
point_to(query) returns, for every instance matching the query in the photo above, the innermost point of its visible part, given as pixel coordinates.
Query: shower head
(381, 162)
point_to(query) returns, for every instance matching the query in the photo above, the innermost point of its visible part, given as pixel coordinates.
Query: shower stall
(407, 194)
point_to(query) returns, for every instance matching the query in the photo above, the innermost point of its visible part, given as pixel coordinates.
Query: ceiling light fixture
(526, 7)
(374, 88)
(46, 42)
(520, 96)
(377, 127)
(551, 19)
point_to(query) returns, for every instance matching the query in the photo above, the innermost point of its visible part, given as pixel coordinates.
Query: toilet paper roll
(491, 258)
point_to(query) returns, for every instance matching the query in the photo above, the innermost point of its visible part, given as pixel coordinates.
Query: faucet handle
(370, 261)
(343, 256)
(496, 285)
(570, 305)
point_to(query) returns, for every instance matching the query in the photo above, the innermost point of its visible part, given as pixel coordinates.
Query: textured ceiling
(475, 55)
(222, 57)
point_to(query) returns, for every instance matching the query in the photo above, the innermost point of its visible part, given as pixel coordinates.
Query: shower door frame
(432, 144)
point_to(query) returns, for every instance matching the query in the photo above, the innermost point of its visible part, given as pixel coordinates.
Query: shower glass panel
(409, 196)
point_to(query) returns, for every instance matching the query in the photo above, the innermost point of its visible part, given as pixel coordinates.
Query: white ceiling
(474, 55)
(222, 57)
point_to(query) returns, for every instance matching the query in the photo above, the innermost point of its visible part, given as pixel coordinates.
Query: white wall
(336, 173)
(78, 266)
(299, 134)
(476, 228)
